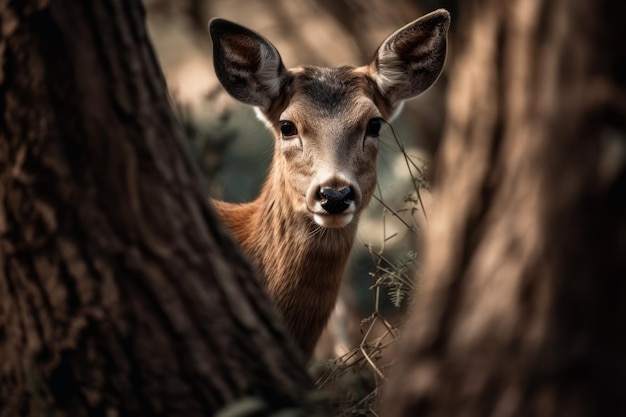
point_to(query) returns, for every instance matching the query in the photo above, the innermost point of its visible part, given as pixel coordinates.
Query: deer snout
(333, 202)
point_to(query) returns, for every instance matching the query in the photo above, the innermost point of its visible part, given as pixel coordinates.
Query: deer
(299, 232)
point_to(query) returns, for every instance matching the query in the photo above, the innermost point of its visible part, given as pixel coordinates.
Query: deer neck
(301, 264)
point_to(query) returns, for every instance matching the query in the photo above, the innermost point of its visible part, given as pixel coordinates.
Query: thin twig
(394, 213)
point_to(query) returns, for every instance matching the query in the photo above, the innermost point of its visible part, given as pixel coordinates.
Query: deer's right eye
(288, 129)
(373, 127)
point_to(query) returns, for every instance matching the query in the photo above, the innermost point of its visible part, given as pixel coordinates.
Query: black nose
(336, 201)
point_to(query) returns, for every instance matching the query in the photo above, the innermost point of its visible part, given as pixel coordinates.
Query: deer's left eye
(373, 127)
(288, 129)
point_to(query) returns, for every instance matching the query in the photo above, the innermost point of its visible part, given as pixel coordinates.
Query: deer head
(326, 121)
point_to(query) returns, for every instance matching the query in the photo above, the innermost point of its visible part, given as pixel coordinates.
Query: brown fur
(302, 274)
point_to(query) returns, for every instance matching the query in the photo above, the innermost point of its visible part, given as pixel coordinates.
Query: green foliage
(208, 140)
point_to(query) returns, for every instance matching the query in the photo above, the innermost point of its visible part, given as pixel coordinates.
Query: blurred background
(233, 149)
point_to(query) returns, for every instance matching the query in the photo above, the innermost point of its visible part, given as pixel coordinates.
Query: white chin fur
(333, 221)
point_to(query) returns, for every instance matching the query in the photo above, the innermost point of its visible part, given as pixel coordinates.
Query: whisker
(319, 230)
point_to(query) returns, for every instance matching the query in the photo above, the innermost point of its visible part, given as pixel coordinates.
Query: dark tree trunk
(120, 294)
(522, 311)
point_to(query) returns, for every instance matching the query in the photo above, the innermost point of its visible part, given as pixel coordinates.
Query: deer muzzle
(333, 202)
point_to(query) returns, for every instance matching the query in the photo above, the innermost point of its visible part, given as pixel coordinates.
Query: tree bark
(522, 307)
(120, 294)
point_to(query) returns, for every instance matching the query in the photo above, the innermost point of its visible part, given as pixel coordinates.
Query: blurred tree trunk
(522, 309)
(120, 294)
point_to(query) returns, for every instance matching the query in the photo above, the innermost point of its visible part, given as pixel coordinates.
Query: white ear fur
(247, 65)
(411, 59)
(263, 118)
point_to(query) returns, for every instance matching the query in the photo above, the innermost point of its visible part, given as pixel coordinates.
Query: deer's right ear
(248, 65)
(410, 60)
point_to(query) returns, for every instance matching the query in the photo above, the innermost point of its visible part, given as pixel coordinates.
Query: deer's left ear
(248, 65)
(409, 61)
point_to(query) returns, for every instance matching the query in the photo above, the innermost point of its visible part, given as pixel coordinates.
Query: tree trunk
(522, 311)
(120, 294)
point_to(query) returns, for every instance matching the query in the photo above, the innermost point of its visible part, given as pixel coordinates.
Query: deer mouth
(333, 221)
(327, 214)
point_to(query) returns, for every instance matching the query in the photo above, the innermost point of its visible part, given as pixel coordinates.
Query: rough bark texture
(119, 292)
(522, 308)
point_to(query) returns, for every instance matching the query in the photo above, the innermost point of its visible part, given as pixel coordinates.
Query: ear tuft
(411, 59)
(248, 66)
